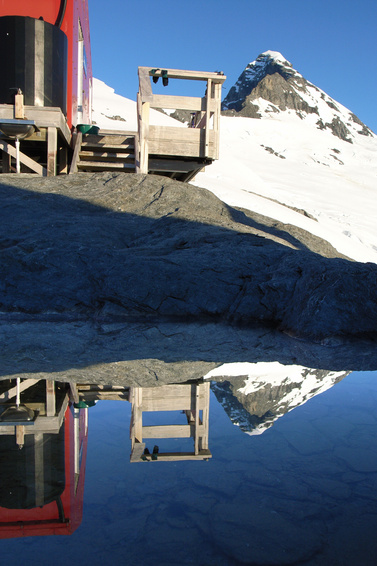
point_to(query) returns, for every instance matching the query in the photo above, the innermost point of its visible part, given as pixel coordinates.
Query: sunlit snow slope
(285, 160)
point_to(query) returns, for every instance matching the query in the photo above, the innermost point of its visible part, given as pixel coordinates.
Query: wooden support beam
(216, 119)
(184, 74)
(76, 153)
(52, 149)
(143, 129)
(6, 162)
(145, 88)
(138, 456)
(25, 384)
(44, 117)
(19, 110)
(30, 163)
(63, 160)
(74, 392)
(208, 98)
(50, 398)
(39, 469)
(20, 435)
(204, 437)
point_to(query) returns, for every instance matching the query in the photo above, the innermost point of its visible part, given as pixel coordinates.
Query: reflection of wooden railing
(190, 399)
(201, 140)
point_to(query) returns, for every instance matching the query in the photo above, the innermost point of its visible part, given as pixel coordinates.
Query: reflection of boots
(145, 453)
(165, 80)
(155, 80)
(155, 452)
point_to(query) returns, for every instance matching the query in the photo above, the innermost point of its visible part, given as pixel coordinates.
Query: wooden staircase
(107, 151)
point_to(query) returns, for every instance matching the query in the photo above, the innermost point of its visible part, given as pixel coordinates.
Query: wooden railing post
(208, 115)
(216, 119)
(143, 130)
(144, 98)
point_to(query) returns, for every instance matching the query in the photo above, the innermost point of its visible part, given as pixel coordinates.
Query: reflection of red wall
(75, 10)
(44, 520)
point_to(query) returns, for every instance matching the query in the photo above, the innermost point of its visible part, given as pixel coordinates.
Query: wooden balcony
(178, 152)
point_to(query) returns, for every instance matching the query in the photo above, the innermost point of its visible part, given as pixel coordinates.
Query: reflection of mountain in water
(256, 395)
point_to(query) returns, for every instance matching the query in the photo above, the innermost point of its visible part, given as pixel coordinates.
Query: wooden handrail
(183, 74)
(206, 109)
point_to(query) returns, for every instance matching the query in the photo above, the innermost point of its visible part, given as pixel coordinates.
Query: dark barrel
(34, 59)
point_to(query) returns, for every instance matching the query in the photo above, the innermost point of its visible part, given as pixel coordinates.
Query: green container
(87, 129)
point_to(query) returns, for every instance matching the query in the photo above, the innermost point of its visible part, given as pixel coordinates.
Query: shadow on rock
(98, 249)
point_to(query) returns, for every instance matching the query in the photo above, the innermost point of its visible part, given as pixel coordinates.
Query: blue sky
(332, 43)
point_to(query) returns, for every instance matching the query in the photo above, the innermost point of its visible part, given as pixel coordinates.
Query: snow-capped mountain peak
(270, 85)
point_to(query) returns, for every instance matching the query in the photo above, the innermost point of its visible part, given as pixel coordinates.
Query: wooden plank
(137, 414)
(181, 102)
(208, 115)
(105, 155)
(30, 163)
(172, 456)
(43, 116)
(76, 153)
(74, 392)
(178, 402)
(171, 431)
(7, 167)
(196, 409)
(205, 391)
(216, 120)
(19, 110)
(137, 452)
(108, 140)
(50, 398)
(143, 123)
(39, 469)
(105, 166)
(52, 149)
(20, 434)
(137, 154)
(63, 161)
(7, 395)
(185, 74)
(145, 88)
(121, 148)
(109, 132)
(180, 142)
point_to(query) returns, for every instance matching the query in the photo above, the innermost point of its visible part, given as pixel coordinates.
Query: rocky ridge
(270, 85)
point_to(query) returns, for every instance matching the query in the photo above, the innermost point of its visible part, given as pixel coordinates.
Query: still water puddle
(233, 472)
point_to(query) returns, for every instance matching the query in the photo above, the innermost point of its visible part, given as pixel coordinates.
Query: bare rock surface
(88, 251)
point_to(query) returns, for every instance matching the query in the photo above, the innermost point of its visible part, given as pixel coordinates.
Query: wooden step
(106, 152)
(100, 155)
(105, 166)
(125, 148)
(110, 140)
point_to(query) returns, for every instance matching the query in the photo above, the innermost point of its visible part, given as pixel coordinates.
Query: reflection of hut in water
(43, 459)
(190, 400)
(186, 404)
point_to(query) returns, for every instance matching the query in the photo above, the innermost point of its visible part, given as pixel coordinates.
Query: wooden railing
(200, 139)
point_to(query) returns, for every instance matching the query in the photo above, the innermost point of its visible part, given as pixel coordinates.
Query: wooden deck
(177, 152)
(46, 151)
